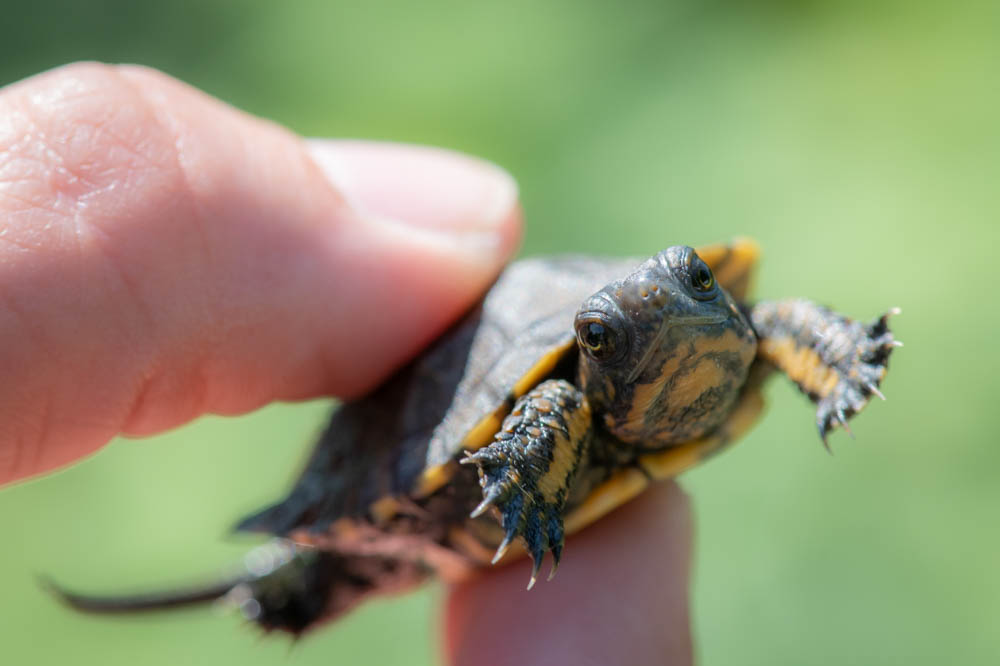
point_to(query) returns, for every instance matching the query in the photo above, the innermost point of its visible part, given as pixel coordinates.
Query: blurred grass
(857, 141)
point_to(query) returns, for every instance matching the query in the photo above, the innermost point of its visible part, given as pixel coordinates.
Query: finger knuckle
(75, 133)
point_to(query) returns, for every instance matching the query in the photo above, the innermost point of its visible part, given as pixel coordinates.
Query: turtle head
(664, 351)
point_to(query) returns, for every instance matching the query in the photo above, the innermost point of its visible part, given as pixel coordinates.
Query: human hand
(164, 256)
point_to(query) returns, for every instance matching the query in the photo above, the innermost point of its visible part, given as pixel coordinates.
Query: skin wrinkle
(12, 463)
(68, 179)
(44, 415)
(26, 428)
(13, 467)
(14, 242)
(165, 121)
(197, 390)
(209, 369)
(13, 117)
(128, 174)
(75, 194)
(139, 402)
(215, 363)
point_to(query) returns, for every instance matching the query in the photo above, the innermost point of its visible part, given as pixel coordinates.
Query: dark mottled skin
(384, 500)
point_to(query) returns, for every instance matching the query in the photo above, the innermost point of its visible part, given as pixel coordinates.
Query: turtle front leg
(528, 470)
(838, 362)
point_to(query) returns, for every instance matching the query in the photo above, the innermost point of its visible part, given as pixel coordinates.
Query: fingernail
(418, 186)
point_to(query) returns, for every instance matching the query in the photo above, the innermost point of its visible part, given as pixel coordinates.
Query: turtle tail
(139, 602)
(284, 587)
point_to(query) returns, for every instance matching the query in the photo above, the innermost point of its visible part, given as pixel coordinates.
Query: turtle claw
(534, 573)
(537, 544)
(505, 479)
(842, 418)
(516, 471)
(860, 362)
(528, 516)
(481, 509)
(502, 549)
(556, 555)
(873, 389)
(487, 502)
(823, 437)
(835, 360)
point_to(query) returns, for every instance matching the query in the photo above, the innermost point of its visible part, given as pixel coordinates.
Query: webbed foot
(527, 472)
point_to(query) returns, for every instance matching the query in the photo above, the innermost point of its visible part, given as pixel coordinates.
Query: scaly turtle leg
(836, 361)
(527, 472)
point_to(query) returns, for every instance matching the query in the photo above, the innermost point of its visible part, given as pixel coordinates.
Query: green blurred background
(858, 141)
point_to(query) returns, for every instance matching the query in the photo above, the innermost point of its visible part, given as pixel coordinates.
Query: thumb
(168, 255)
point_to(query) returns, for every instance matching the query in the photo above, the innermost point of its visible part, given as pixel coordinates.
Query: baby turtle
(575, 383)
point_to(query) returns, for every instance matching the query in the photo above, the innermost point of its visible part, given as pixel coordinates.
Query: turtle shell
(404, 438)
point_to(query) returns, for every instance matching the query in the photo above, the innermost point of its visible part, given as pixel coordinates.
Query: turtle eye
(598, 338)
(701, 276)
